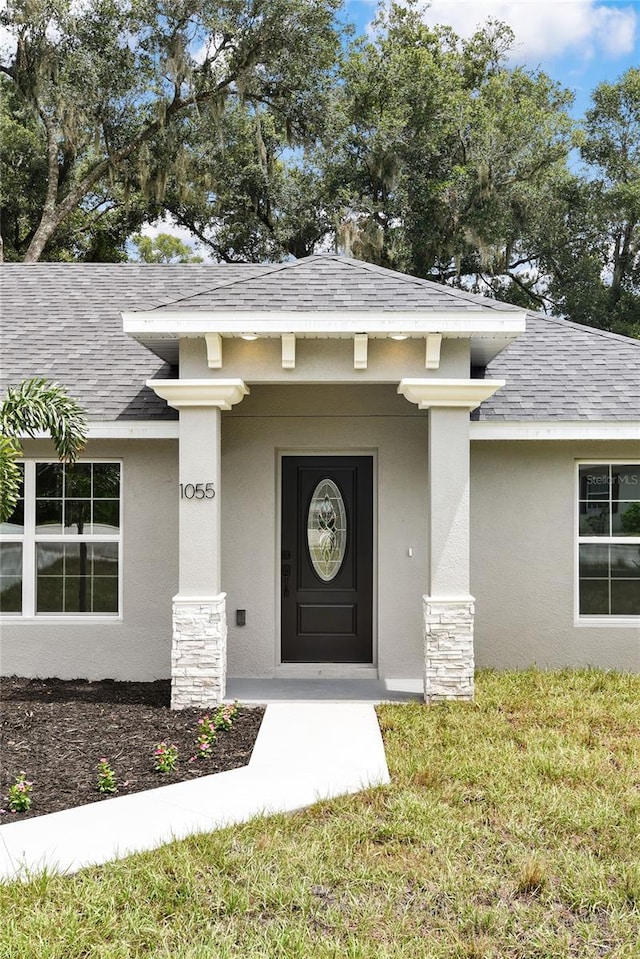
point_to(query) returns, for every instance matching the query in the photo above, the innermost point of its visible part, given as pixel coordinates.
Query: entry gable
(329, 296)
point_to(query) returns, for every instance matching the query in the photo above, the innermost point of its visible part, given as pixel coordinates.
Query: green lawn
(511, 829)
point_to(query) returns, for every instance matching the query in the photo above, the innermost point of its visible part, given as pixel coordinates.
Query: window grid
(608, 494)
(31, 538)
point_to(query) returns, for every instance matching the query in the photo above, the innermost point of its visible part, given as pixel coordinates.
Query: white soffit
(490, 331)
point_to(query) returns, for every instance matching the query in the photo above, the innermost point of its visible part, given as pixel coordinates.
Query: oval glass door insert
(327, 530)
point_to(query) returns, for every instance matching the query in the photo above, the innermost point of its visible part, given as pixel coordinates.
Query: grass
(511, 830)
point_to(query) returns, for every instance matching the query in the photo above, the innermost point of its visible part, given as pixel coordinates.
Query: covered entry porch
(252, 606)
(288, 380)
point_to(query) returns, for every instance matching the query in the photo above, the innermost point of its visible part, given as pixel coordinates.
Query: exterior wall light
(399, 336)
(249, 336)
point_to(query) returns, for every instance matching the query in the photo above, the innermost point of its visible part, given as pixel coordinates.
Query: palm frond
(10, 476)
(36, 406)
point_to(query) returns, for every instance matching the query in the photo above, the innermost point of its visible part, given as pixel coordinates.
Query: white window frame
(583, 619)
(28, 538)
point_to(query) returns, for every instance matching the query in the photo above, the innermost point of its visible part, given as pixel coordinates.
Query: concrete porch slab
(325, 690)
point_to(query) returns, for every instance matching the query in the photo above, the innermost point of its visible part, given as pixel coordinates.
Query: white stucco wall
(523, 558)
(350, 420)
(137, 646)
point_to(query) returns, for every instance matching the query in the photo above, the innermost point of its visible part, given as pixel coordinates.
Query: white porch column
(448, 607)
(199, 646)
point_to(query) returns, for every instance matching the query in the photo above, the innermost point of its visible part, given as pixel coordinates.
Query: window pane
(49, 594)
(15, 523)
(626, 519)
(78, 481)
(77, 577)
(106, 516)
(11, 577)
(625, 561)
(77, 594)
(625, 597)
(626, 482)
(49, 480)
(594, 519)
(594, 597)
(104, 559)
(594, 560)
(106, 480)
(50, 559)
(77, 516)
(49, 516)
(105, 594)
(594, 483)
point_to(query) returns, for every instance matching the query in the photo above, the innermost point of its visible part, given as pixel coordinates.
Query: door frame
(328, 670)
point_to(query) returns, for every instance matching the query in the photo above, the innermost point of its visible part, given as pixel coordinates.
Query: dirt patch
(56, 731)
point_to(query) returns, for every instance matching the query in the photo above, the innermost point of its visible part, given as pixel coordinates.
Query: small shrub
(166, 758)
(20, 794)
(106, 777)
(206, 737)
(225, 716)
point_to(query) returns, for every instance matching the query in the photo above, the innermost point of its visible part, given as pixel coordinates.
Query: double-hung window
(60, 551)
(609, 540)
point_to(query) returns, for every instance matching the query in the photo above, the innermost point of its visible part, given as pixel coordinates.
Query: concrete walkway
(304, 752)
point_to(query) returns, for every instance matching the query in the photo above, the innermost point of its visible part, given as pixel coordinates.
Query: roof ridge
(261, 270)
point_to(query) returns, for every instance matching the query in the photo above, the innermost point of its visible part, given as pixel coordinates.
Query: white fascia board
(173, 323)
(560, 430)
(121, 430)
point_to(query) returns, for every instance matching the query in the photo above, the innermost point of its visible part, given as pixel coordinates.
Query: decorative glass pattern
(327, 530)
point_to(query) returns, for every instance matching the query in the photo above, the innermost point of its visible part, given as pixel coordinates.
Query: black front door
(327, 559)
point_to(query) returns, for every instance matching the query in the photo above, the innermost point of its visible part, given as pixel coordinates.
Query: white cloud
(546, 29)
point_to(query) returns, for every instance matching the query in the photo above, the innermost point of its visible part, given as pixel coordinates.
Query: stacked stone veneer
(198, 652)
(448, 649)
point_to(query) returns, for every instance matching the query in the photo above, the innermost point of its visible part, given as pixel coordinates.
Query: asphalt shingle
(63, 321)
(559, 370)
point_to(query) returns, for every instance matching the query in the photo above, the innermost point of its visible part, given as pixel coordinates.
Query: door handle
(286, 573)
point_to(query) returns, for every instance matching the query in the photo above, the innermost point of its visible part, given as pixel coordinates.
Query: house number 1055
(197, 491)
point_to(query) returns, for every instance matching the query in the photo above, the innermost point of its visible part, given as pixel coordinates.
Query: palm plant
(36, 406)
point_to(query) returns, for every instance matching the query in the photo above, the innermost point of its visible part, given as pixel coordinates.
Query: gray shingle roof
(559, 370)
(332, 283)
(62, 321)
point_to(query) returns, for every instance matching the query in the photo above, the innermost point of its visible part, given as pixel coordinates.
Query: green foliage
(259, 129)
(36, 406)
(106, 779)
(109, 90)
(19, 797)
(447, 154)
(164, 248)
(595, 268)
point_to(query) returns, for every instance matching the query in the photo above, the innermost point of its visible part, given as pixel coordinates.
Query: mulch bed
(57, 730)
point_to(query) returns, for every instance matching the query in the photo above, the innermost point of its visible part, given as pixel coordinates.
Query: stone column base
(448, 648)
(198, 651)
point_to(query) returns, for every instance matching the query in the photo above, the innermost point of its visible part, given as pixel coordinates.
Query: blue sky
(580, 43)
